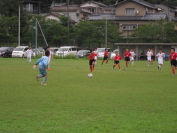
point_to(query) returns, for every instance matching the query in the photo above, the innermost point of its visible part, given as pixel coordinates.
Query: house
(53, 16)
(31, 6)
(93, 7)
(130, 14)
(76, 13)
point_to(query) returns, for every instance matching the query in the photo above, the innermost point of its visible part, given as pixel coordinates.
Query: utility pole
(68, 21)
(36, 34)
(19, 27)
(106, 33)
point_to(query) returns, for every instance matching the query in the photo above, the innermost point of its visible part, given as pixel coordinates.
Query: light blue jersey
(43, 62)
(43, 65)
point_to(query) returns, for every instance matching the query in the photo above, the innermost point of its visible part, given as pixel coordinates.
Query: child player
(28, 54)
(160, 57)
(106, 54)
(43, 63)
(173, 57)
(149, 54)
(127, 57)
(91, 61)
(132, 57)
(116, 60)
(96, 56)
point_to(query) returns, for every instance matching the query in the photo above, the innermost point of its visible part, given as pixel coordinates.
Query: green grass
(138, 99)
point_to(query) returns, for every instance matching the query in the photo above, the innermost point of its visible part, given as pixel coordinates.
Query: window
(129, 27)
(91, 9)
(130, 11)
(74, 49)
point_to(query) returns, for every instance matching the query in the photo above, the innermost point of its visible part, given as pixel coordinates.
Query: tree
(92, 33)
(160, 31)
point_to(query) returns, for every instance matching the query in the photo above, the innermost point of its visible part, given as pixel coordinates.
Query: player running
(106, 54)
(116, 61)
(91, 61)
(132, 57)
(173, 57)
(127, 57)
(160, 57)
(43, 65)
(149, 54)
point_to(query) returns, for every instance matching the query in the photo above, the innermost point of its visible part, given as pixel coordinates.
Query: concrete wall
(120, 10)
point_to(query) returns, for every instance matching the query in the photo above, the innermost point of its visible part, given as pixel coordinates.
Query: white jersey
(96, 52)
(132, 54)
(29, 53)
(149, 53)
(160, 56)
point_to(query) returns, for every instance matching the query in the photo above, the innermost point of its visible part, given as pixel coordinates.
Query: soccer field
(137, 99)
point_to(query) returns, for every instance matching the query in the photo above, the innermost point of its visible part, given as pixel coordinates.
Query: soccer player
(106, 54)
(127, 57)
(160, 57)
(173, 57)
(43, 63)
(116, 61)
(132, 57)
(28, 54)
(91, 61)
(149, 54)
(96, 56)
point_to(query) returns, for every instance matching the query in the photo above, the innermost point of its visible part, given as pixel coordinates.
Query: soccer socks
(106, 61)
(173, 71)
(113, 66)
(119, 66)
(44, 80)
(127, 64)
(102, 62)
(30, 60)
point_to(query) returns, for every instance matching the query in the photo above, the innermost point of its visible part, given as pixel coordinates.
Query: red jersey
(95, 54)
(173, 56)
(91, 56)
(127, 54)
(117, 58)
(106, 54)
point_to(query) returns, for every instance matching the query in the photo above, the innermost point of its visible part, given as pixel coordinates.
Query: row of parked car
(20, 51)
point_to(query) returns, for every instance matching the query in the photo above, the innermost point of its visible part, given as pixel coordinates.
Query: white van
(20, 51)
(67, 50)
(101, 52)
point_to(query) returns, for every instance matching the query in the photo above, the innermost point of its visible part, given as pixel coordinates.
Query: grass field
(138, 99)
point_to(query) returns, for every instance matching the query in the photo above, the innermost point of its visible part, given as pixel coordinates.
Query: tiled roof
(142, 2)
(101, 4)
(147, 17)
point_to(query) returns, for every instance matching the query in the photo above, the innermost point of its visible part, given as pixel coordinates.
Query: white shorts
(149, 58)
(95, 57)
(131, 58)
(160, 61)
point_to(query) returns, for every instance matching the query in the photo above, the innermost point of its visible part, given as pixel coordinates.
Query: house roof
(98, 3)
(147, 17)
(141, 2)
(85, 11)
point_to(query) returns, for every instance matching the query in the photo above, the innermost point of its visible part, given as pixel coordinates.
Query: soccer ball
(90, 75)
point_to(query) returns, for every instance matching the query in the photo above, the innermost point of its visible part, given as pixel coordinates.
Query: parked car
(113, 54)
(36, 52)
(67, 50)
(101, 52)
(54, 49)
(6, 51)
(82, 53)
(20, 51)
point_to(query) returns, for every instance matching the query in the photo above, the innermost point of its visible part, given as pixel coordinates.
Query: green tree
(92, 33)
(161, 31)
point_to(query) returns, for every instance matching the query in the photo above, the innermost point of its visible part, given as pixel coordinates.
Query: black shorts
(105, 58)
(91, 62)
(116, 62)
(153, 57)
(127, 58)
(173, 63)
